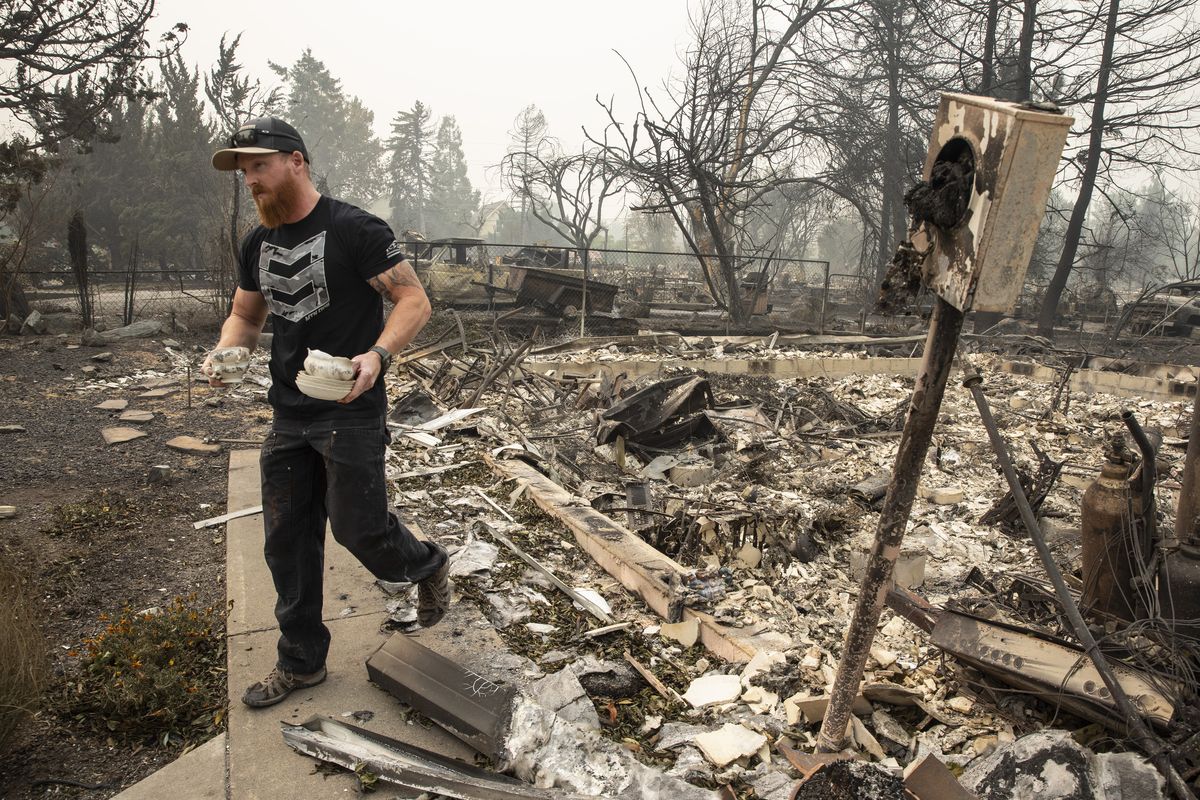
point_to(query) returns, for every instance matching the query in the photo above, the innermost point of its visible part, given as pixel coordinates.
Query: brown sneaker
(433, 594)
(278, 685)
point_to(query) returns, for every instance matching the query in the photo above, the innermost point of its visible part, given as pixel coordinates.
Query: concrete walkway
(251, 761)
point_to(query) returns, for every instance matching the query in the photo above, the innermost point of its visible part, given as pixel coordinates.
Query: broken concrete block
(711, 690)
(103, 357)
(943, 495)
(962, 705)
(190, 444)
(133, 415)
(119, 435)
(692, 473)
(33, 325)
(88, 370)
(1018, 402)
(7, 511)
(686, 632)
(884, 658)
(138, 330)
(1050, 765)
(729, 743)
(160, 473)
(112, 405)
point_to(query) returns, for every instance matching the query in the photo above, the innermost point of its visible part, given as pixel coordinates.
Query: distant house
(489, 218)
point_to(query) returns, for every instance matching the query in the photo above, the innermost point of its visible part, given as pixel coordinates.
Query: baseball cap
(258, 136)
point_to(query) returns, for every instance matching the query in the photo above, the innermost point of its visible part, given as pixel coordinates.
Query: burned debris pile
(697, 535)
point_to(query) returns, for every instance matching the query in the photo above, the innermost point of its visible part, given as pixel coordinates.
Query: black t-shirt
(313, 275)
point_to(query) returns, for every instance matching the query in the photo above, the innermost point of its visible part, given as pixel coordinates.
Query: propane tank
(1179, 590)
(1109, 563)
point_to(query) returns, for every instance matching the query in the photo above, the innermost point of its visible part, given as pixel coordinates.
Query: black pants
(328, 470)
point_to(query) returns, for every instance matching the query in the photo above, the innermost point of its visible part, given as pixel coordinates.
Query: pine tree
(453, 200)
(527, 139)
(408, 169)
(346, 156)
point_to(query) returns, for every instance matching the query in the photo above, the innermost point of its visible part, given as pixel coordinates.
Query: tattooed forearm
(398, 276)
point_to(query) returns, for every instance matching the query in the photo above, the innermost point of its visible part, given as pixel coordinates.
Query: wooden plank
(639, 567)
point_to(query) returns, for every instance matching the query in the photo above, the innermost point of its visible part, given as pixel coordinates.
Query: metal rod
(1150, 744)
(940, 345)
(1149, 510)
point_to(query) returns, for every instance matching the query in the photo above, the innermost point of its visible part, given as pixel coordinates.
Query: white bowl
(323, 388)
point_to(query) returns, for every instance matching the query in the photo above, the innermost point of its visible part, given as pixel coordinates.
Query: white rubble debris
(712, 690)
(731, 742)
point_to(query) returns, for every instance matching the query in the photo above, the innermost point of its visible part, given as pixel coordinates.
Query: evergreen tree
(528, 138)
(346, 156)
(180, 217)
(453, 201)
(408, 169)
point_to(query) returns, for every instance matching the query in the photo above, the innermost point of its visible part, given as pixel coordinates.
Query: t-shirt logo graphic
(293, 281)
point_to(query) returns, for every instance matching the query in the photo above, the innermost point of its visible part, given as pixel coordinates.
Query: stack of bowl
(326, 377)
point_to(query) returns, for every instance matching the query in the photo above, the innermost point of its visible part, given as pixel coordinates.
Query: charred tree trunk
(987, 84)
(1066, 261)
(77, 247)
(891, 221)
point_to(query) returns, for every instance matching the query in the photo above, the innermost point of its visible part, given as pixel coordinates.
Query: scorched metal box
(980, 263)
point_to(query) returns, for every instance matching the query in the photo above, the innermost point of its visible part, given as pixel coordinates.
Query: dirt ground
(146, 554)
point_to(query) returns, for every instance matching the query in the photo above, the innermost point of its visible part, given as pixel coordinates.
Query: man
(321, 268)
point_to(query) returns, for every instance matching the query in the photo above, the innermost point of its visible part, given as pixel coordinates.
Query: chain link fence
(560, 290)
(536, 287)
(108, 299)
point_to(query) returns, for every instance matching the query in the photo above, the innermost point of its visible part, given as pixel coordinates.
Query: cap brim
(226, 160)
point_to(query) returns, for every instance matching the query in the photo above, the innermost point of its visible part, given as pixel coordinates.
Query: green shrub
(158, 673)
(23, 663)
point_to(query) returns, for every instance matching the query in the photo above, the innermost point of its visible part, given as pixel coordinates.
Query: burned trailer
(456, 272)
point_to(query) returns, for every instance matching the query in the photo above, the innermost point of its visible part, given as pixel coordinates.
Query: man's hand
(367, 367)
(206, 369)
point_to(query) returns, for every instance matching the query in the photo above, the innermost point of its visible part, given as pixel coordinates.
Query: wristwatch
(384, 356)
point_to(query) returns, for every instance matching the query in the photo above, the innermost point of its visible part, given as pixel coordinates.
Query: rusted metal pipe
(1149, 510)
(1150, 744)
(944, 328)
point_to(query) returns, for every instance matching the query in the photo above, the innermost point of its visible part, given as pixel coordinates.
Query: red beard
(275, 207)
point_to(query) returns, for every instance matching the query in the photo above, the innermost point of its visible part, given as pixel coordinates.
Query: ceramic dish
(323, 388)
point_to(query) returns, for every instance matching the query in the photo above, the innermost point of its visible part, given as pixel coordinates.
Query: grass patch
(23, 666)
(102, 510)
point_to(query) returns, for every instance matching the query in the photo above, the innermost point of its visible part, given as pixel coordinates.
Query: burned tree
(727, 134)
(565, 192)
(1141, 100)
